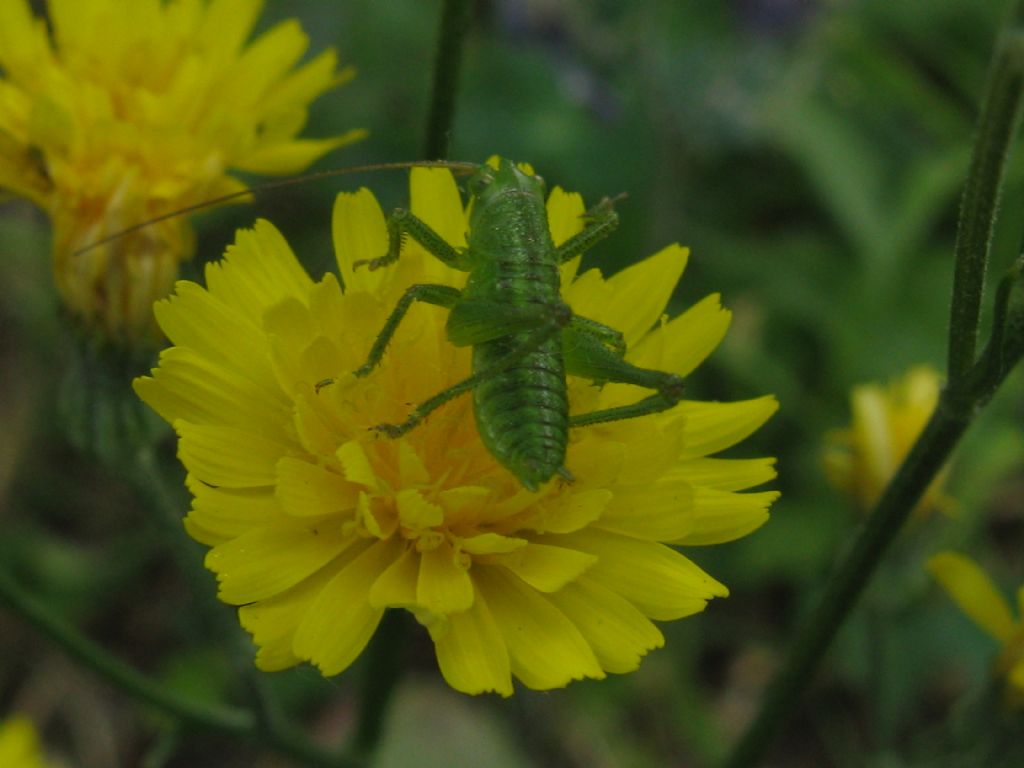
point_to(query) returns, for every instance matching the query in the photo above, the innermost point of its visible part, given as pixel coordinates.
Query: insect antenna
(270, 186)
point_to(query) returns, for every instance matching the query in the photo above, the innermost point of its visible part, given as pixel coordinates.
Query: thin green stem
(926, 458)
(971, 383)
(384, 662)
(454, 23)
(997, 125)
(237, 723)
(224, 719)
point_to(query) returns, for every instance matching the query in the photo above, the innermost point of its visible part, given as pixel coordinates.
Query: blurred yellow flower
(973, 591)
(317, 524)
(19, 745)
(119, 112)
(861, 459)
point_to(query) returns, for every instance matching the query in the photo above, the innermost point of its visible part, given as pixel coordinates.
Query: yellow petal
(356, 464)
(544, 567)
(973, 591)
(227, 24)
(683, 343)
(491, 543)
(417, 513)
(23, 42)
(545, 648)
(19, 743)
(360, 234)
(341, 620)
(472, 654)
(198, 389)
(258, 270)
(619, 634)
(436, 201)
(396, 586)
(269, 56)
(310, 490)
(272, 622)
(268, 560)
(726, 474)
(290, 330)
(660, 511)
(444, 586)
(713, 427)
(569, 512)
(195, 319)
(659, 581)
(411, 470)
(565, 216)
(293, 156)
(636, 296)
(226, 456)
(230, 512)
(1015, 677)
(720, 516)
(871, 432)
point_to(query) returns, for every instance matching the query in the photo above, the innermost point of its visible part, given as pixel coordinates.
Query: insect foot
(397, 430)
(673, 388)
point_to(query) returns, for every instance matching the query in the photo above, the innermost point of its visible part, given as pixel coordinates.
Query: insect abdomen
(522, 414)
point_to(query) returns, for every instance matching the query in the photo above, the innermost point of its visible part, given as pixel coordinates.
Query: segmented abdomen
(522, 414)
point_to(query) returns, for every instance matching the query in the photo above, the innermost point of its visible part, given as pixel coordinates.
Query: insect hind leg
(590, 351)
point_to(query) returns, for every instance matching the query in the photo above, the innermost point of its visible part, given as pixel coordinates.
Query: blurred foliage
(812, 156)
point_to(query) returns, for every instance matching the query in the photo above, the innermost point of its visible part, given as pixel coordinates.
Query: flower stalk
(231, 721)
(385, 667)
(997, 125)
(454, 23)
(972, 382)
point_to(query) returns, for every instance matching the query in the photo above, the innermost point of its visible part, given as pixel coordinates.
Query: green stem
(238, 723)
(82, 649)
(454, 22)
(384, 662)
(924, 461)
(971, 384)
(997, 125)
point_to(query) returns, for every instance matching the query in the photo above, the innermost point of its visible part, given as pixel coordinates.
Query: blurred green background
(812, 155)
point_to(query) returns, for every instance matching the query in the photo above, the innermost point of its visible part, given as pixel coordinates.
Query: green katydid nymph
(525, 339)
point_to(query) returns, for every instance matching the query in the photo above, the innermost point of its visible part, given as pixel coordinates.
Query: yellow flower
(973, 591)
(861, 459)
(317, 524)
(129, 110)
(19, 745)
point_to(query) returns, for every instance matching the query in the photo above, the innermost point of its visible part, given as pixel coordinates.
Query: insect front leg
(428, 293)
(601, 220)
(589, 354)
(401, 223)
